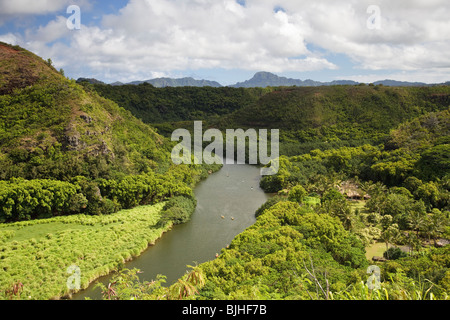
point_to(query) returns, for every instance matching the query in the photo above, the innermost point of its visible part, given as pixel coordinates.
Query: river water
(226, 205)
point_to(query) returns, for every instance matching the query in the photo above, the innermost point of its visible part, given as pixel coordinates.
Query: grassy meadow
(35, 255)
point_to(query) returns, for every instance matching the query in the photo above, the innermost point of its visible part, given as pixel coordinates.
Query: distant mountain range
(260, 79)
(267, 79)
(164, 82)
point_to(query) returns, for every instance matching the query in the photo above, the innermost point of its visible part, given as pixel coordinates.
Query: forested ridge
(308, 118)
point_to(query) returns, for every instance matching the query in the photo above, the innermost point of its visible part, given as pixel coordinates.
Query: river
(226, 205)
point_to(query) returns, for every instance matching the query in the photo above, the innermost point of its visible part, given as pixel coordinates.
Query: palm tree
(365, 187)
(435, 223)
(346, 215)
(412, 242)
(416, 221)
(339, 208)
(376, 189)
(390, 234)
(182, 289)
(377, 192)
(196, 276)
(188, 285)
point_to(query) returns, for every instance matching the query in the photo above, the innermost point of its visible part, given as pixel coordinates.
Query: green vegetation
(172, 107)
(292, 252)
(64, 150)
(70, 160)
(309, 118)
(309, 240)
(36, 254)
(86, 180)
(268, 260)
(178, 210)
(330, 117)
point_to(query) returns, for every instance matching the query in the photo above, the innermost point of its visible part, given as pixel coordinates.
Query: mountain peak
(265, 75)
(21, 68)
(268, 79)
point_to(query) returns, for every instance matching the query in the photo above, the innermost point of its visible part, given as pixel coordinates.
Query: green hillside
(54, 135)
(310, 241)
(368, 107)
(169, 108)
(360, 166)
(333, 116)
(52, 128)
(323, 117)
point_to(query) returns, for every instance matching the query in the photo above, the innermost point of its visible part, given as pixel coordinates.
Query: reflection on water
(226, 204)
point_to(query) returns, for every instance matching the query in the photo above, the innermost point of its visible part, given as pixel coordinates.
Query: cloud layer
(155, 37)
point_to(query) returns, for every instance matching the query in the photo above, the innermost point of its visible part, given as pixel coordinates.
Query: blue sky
(230, 40)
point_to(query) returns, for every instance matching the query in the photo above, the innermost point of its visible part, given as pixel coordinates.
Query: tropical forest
(359, 208)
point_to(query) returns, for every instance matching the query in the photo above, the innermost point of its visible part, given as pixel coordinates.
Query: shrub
(394, 253)
(297, 194)
(332, 194)
(178, 210)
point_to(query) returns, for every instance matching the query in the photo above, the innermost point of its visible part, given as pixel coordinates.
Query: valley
(86, 179)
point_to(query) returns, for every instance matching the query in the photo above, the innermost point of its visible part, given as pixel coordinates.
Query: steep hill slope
(20, 68)
(51, 128)
(157, 105)
(66, 150)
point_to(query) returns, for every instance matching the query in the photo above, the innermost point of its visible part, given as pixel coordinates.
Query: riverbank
(35, 255)
(226, 205)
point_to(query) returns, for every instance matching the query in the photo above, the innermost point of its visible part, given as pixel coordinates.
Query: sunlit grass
(375, 249)
(38, 253)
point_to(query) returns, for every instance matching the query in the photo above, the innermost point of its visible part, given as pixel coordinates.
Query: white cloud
(163, 37)
(37, 7)
(9, 38)
(20, 7)
(54, 30)
(412, 36)
(160, 36)
(426, 76)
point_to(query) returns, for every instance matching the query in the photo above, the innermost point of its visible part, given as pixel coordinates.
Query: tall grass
(36, 254)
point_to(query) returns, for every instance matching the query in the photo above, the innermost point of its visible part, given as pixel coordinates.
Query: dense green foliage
(393, 155)
(58, 131)
(332, 117)
(294, 252)
(308, 118)
(178, 209)
(29, 199)
(339, 113)
(418, 164)
(24, 200)
(268, 259)
(70, 159)
(162, 107)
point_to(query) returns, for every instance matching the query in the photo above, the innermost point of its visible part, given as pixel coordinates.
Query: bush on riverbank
(178, 210)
